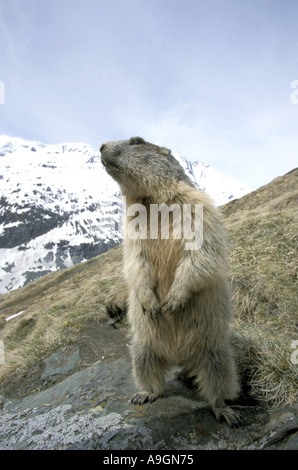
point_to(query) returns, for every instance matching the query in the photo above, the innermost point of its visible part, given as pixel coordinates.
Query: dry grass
(264, 360)
(264, 269)
(57, 308)
(263, 238)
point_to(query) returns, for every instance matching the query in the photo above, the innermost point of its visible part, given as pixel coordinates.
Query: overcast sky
(211, 78)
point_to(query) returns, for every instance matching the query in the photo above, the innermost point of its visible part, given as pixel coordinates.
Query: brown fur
(179, 301)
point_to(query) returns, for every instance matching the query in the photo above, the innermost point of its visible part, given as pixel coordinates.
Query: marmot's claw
(167, 306)
(154, 313)
(157, 312)
(142, 397)
(170, 309)
(231, 417)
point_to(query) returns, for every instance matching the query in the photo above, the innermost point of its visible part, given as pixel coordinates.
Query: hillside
(263, 245)
(279, 194)
(70, 307)
(263, 235)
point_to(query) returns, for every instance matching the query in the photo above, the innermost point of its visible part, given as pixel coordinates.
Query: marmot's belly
(164, 259)
(174, 339)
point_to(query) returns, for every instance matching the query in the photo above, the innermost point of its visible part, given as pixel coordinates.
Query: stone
(61, 362)
(90, 409)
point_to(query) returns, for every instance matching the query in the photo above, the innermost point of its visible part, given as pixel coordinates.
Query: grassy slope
(57, 308)
(263, 237)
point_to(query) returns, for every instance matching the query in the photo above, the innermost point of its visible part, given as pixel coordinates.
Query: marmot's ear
(165, 151)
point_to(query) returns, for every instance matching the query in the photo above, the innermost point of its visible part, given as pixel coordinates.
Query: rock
(90, 409)
(61, 362)
(292, 443)
(32, 222)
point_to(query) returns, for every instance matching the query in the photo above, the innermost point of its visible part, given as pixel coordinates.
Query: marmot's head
(141, 169)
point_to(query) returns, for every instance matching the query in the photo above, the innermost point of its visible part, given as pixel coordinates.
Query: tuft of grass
(264, 362)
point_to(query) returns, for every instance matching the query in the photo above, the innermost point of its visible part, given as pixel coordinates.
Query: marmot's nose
(102, 148)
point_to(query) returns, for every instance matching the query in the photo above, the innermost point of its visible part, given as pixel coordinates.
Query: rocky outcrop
(24, 223)
(88, 408)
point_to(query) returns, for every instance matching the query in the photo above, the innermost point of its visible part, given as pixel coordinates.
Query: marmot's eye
(137, 141)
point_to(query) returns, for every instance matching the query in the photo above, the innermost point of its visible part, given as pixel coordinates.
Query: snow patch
(15, 315)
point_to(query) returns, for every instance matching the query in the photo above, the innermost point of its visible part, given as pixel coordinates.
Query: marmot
(179, 306)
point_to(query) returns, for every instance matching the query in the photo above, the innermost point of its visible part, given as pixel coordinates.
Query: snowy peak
(58, 207)
(75, 167)
(222, 189)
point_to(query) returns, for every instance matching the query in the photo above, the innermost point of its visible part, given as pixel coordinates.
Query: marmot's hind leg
(149, 373)
(217, 381)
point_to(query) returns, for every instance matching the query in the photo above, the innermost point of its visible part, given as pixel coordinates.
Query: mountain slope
(57, 208)
(67, 307)
(263, 233)
(279, 194)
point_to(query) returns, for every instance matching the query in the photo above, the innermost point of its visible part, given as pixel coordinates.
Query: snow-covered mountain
(59, 207)
(222, 189)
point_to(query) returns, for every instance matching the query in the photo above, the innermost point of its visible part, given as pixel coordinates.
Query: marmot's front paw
(151, 307)
(173, 303)
(153, 313)
(149, 303)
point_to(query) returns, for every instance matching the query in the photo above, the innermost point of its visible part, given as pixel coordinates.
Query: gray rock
(61, 362)
(90, 409)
